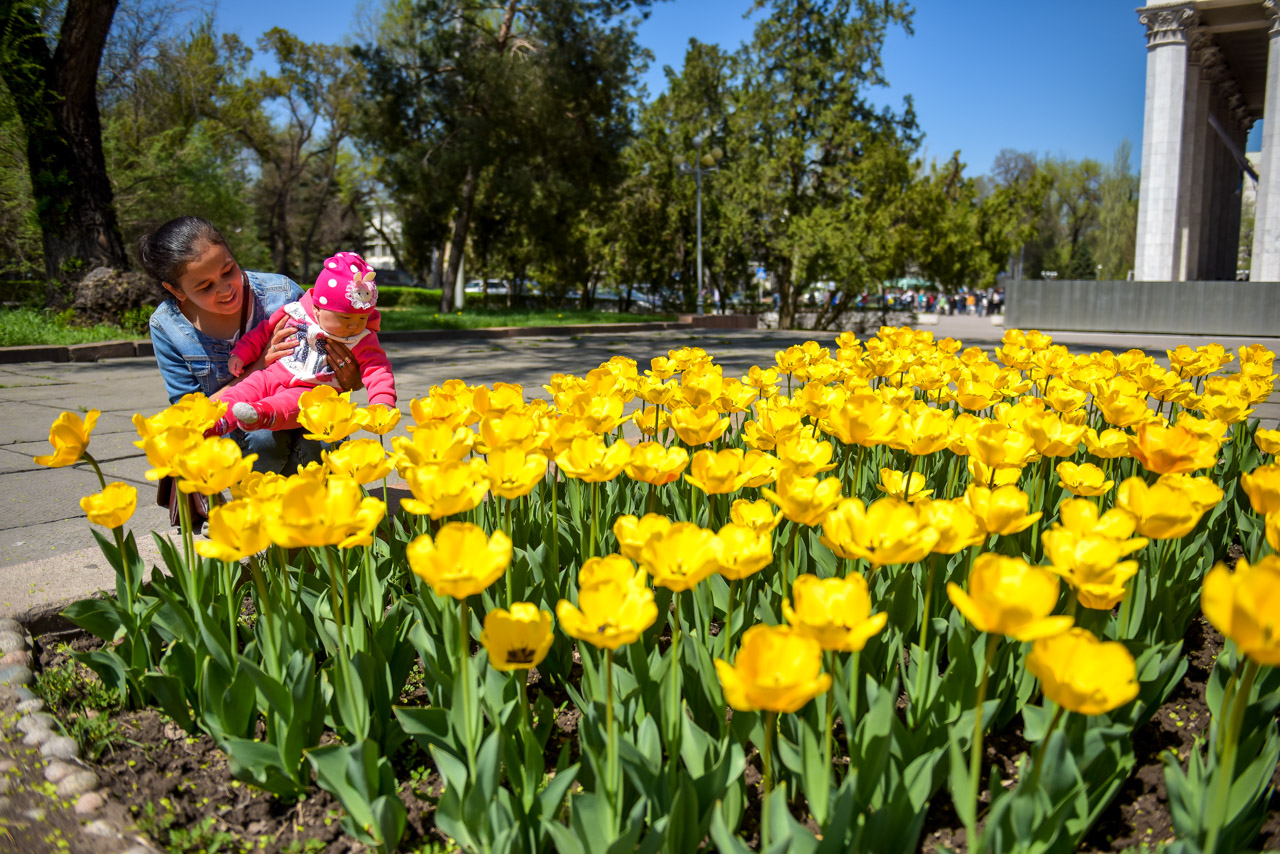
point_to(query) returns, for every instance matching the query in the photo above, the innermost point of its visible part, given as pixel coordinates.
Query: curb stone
(73, 779)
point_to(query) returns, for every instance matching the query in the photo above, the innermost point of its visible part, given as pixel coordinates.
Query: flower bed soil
(182, 793)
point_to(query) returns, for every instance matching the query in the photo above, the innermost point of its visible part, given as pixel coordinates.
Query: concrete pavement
(48, 556)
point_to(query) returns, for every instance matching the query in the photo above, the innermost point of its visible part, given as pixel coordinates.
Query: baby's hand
(236, 365)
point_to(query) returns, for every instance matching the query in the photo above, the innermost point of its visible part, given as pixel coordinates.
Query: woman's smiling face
(211, 283)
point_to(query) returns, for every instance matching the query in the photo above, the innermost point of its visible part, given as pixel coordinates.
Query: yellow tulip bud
(1083, 674)
(895, 484)
(237, 529)
(1268, 441)
(378, 418)
(760, 516)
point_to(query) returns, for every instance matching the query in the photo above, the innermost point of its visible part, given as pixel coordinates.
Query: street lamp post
(706, 164)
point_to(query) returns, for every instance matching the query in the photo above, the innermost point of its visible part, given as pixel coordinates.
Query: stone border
(72, 777)
(129, 349)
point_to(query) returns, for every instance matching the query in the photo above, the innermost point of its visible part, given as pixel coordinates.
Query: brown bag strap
(244, 306)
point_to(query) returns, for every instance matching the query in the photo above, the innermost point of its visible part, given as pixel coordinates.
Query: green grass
(422, 317)
(19, 326)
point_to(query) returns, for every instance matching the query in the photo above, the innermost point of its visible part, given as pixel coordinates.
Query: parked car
(497, 288)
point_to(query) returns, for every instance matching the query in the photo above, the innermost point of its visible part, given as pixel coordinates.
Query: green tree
(524, 107)
(1117, 215)
(54, 92)
(816, 165)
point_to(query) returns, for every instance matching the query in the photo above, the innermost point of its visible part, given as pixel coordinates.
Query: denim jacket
(191, 361)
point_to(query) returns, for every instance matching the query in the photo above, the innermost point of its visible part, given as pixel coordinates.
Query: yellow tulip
(445, 489)
(363, 460)
(327, 415)
(111, 507)
(698, 426)
(260, 486)
(758, 469)
(633, 533)
(504, 397)
(509, 430)
(609, 568)
(890, 531)
(1083, 674)
(440, 407)
(1008, 596)
(654, 390)
(954, 522)
(1268, 441)
(209, 466)
(165, 448)
(736, 396)
(716, 472)
(1002, 510)
(237, 530)
(804, 455)
(1063, 398)
(1272, 529)
(1171, 450)
(69, 436)
(836, 612)
(1120, 409)
(590, 460)
(194, 411)
(609, 614)
(996, 445)
(651, 421)
(1052, 436)
(1245, 606)
(598, 414)
(460, 561)
(325, 514)
(864, 420)
(517, 639)
(513, 473)
(1262, 485)
(992, 478)
(1163, 511)
(701, 388)
(432, 443)
(562, 432)
(975, 395)
(895, 484)
(379, 419)
(743, 551)
(760, 516)
(923, 430)
(804, 500)
(1086, 479)
(681, 556)
(776, 670)
(1108, 444)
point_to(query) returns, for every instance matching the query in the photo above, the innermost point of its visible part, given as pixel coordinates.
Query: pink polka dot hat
(345, 285)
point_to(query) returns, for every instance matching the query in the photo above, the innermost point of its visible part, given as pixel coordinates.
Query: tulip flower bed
(788, 619)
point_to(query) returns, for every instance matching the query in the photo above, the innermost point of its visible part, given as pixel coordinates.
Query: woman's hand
(344, 365)
(283, 339)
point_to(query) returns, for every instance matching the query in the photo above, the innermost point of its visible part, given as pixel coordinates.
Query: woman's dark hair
(166, 252)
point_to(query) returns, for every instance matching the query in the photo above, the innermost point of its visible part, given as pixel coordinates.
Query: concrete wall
(1206, 308)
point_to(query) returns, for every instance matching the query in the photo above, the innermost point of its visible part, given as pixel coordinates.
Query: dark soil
(180, 791)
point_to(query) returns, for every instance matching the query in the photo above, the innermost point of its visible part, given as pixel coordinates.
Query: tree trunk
(56, 98)
(458, 244)
(786, 297)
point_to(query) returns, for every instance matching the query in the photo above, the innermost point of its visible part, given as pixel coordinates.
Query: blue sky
(1050, 78)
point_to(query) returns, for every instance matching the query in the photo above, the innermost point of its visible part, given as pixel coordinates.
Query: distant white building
(377, 251)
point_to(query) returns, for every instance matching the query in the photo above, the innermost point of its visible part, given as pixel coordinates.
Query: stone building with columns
(1213, 69)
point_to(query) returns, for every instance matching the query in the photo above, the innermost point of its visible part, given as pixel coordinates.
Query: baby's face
(339, 324)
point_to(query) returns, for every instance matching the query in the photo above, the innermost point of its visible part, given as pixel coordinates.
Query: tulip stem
(851, 725)
(1040, 751)
(766, 786)
(857, 472)
(614, 787)
(508, 573)
(828, 736)
(126, 569)
(595, 516)
(975, 752)
(918, 697)
(464, 676)
(790, 564)
(1225, 772)
(555, 528)
(102, 481)
(728, 618)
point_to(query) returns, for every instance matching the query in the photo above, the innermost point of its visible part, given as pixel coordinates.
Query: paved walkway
(48, 556)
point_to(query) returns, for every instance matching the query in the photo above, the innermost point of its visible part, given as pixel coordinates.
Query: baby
(339, 308)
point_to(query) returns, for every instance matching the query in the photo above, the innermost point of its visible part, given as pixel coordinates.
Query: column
(1192, 216)
(1157, 250)
(1266, 229)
